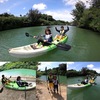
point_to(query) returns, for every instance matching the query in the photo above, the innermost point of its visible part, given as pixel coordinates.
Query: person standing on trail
(50, 81)
(62, 32)
(55, 82)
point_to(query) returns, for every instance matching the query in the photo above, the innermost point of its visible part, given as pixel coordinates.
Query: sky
(59, 9)
(71, 65)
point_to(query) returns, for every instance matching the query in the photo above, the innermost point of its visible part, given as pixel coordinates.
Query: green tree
(78, 12)
(34, 16)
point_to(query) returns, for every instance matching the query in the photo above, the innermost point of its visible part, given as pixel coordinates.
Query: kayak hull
(14, 86)
(28, 52)
(78, 86)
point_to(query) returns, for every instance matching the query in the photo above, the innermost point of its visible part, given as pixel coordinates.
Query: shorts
(50, 85)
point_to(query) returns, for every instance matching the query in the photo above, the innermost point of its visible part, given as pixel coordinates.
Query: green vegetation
(83, 72)
(32, 18)
(18, 65)
(87, 18)
(61, 70)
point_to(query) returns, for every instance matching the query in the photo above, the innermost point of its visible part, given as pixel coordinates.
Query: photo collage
(49, 50)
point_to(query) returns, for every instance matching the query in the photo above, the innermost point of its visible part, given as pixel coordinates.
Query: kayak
(28, 51)
(78, 85)
(14, 85)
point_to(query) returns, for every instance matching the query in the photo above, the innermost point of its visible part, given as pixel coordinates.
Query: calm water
(85, 44)
(62, 79)
(88, 93)
(17, 72)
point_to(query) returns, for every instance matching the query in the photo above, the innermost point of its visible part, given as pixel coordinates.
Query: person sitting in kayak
(55, 82)
(46, 41)
(5, 80)
(85, 81)
(20, 82)
(62, 32)
(50, 81)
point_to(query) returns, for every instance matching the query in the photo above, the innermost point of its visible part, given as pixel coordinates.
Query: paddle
(61, 46)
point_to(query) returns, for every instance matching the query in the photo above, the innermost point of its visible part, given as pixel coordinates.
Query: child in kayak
(20, 82)
(46, 41)
(55, 82)
(62, 32)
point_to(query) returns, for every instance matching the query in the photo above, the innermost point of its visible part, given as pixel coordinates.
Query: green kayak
(27, 51)
(14, 85)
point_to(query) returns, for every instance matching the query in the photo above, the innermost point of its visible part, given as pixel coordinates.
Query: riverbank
(43, 92)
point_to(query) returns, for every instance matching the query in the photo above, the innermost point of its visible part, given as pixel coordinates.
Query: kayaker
(5, 80)
(85, 81)
(55, 82)
(20, 82)
(62, 32)
(50, 81)
(46, 41)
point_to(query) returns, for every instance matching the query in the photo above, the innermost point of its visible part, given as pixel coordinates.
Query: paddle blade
(28, 35)
(1, 90)
(64, 47)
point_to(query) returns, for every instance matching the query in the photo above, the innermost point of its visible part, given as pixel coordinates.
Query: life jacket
(50, 78)
(62, 32)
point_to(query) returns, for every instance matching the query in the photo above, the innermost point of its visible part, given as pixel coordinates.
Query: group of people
(19, 81)
(47, 38)
(53, 82)
(88, 80)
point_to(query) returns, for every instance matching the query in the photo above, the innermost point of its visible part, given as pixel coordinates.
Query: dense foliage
(87, 18)
(83, 72)
(32, 18)
(18, 65)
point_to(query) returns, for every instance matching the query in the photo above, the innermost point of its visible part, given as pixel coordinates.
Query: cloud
(24, 8)
(2, 1)
(2, 63)
(68, 64)
(73, 2)
(90, 66)
(97, 70)
(40, 6)
(60, 15)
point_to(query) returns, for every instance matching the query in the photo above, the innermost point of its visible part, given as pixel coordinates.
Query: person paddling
(5, 80)
(46, 41)
(85, 81)
(62, 32)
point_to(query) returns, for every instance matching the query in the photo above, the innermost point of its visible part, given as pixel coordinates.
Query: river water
(87, 93)
(62, 79)
(85, 44)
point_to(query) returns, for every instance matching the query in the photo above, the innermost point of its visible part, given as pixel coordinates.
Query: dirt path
(43, 93)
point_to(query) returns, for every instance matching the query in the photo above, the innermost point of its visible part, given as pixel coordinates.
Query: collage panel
(52, 81)
(83, 81)
(18, 80)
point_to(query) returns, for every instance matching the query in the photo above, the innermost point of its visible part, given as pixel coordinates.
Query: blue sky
(72, 65)
(59, 9)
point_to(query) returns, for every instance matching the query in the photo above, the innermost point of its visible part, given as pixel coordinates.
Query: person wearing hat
(50, 81)
(62, 32)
